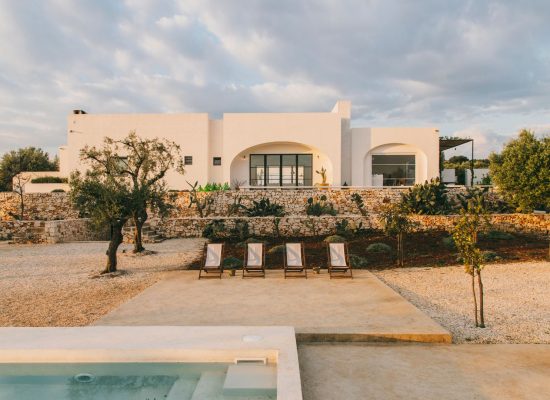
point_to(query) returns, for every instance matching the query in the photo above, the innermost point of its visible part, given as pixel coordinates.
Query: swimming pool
(128, 381)
(149, 363)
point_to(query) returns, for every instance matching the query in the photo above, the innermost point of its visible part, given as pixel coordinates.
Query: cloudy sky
(474, 68)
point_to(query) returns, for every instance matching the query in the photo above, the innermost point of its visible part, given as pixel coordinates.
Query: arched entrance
(280, 164)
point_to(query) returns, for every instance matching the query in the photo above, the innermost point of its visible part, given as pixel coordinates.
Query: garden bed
(421, 249)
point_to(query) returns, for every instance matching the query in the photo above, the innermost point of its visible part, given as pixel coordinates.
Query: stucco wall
(190, 131)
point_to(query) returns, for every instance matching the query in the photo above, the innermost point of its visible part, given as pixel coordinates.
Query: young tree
(396, 222)
(25, 159)
(472, 220)
(105, 199)
(520, 171)
(18, 187)
(143, 164)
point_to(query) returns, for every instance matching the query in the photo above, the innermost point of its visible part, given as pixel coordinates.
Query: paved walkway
(319, 308)
(425, 372)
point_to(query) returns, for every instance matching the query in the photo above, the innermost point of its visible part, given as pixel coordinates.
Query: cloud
(477, 68)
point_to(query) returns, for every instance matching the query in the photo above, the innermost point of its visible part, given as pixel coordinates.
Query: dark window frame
(308, 179)
(217, 161)
(188, 160)
(396, 181)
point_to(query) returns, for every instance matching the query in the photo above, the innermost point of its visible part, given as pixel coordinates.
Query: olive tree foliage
(522, 172)
(472, 219)
(395, 221)
(142, 165)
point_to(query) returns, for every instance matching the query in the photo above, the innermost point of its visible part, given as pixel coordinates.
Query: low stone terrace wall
(54, 206)
(326, 225)
(69, 230)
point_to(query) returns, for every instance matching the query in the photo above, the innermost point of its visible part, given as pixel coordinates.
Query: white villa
(270, 149)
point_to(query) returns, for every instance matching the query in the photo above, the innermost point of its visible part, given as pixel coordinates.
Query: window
(281, 169)
(217, 161)
(188, 160)
(393, 170)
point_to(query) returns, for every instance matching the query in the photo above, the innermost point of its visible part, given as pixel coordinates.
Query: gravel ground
(517, 300)
(54, 285)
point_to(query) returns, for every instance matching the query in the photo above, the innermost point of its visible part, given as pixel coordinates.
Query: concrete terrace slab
(396, 371)
(320, 309)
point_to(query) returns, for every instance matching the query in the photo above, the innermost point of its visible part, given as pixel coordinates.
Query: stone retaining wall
(53, 206)
(70, 230)
(326, 225)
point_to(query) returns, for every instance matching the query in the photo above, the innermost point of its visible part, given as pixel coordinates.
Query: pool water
(120, 381)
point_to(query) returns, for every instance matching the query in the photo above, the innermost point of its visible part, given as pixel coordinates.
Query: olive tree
(142, 164)
(520, 171)
(105, 199)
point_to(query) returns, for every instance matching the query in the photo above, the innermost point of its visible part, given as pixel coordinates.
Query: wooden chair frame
(340, 270)
(213, 270)
(292, 269)
(254, 271)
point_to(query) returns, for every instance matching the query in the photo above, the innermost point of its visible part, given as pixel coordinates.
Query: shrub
(214, 230)
(349, 229)
(279, 249)
(358, 200)
(497, 235)
(378, 248)
(428, 198)
(358, 261)
(449, 243)
(49, 179)
(58, 191)
(240, 231)
(318, 206)
(334, 239)
(232, 263)
(264, 208)
(482, 195)
(488, 256)
(213, 187)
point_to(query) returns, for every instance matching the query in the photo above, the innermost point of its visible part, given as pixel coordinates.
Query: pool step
(209, 386)
(250, 380)
(181, 389)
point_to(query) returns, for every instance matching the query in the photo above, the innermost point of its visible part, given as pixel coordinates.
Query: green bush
(449, 243)
(214, 187)
(232, 263)
(428, 198)
(334, 239)
(490, 256)
(358, 261)
(378, 248)
(240, 231)
(214, 230)
(481, 195)
(318, 206)
(279, 249)
(497, 235)
(58, 191)
(49, 179)
(264, 208)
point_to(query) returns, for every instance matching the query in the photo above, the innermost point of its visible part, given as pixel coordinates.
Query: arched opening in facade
(395, 164)
(280, 164)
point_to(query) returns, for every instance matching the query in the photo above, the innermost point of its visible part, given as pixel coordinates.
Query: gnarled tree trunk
(116, 240)
(139, 220)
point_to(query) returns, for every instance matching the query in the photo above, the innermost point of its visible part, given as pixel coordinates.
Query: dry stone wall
(326, 225)
(38, 206)
(60, 231)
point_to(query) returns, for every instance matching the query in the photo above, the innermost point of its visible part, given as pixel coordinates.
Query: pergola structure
(449, 143)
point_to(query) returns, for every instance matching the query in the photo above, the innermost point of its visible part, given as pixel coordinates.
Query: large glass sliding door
(281, 169)
(393, 170)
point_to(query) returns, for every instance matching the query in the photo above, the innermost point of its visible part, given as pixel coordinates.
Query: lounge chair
(338, 260)
(212, 261)
(254, 260)
(295, 260)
